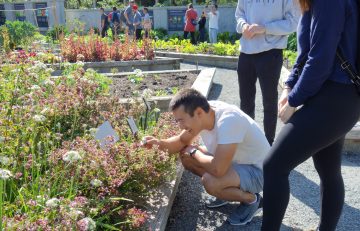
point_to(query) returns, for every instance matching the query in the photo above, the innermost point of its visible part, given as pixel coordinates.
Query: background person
(265, 26)
(190, 23)
(137, 22)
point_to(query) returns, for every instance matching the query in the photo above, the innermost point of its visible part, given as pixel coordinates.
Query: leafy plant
(56, 32)
(292, 42)
(20, 33)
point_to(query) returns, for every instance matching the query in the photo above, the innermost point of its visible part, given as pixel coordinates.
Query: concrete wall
(56, 14)
(91, 17)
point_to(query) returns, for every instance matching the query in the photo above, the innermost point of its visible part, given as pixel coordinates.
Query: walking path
(189, 212)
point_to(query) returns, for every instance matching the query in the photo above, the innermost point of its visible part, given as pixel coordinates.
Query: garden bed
(202, 83)
(154, 83)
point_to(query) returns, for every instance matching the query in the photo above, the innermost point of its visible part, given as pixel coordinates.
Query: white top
(233, 126)
(214, 20)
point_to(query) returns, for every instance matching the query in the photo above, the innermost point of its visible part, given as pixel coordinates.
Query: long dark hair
(305, 5)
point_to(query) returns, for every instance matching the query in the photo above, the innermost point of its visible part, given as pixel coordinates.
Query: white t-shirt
(214, 20)
(233, 126)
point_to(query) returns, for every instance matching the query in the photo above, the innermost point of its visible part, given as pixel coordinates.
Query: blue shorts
(251, 177)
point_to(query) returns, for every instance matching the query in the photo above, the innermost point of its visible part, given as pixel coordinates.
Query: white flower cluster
(72, 156)
(4, 160)
(96, 183)
(39, 118)
(2, 139)
(5, 174)
(35, 87)
(52, 203)
(138, 73)
(147, 93)
(89, 223)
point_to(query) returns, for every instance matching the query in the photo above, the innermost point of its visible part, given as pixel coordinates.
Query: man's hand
(246, 31)
(149, 141)
(286, 112)
(257, 29)
(187, 149)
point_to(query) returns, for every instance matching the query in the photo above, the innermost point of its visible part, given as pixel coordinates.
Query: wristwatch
(192, 151)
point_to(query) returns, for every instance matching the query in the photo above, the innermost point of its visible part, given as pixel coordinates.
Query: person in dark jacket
(202, 30)
(330, 108)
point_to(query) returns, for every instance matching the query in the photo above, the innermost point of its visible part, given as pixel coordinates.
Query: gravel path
(189, 212)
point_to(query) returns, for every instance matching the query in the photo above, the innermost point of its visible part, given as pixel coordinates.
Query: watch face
(192, 151)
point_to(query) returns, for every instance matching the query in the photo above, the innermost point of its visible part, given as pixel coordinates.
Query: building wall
(91, 17)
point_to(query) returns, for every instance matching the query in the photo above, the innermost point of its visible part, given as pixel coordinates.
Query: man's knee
(210, 184)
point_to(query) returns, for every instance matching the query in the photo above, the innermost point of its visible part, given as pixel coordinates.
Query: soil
(122, 87)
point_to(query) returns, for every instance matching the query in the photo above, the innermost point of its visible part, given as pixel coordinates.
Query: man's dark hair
(191, 99)
(190, 5)
(145, 8)
(102, 9)
(216, 6)
(114, 8)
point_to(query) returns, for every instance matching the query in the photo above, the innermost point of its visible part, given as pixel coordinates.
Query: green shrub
(292, 42)
(20, 33)
(55, 32)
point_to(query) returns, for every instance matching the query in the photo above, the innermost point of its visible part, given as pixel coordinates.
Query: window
(42, 13)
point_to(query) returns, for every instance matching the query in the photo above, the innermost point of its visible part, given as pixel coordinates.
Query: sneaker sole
(247, 221)
(217, 205)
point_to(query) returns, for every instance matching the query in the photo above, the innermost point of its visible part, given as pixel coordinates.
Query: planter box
(202, 83)
(122, 66)
(229, 62)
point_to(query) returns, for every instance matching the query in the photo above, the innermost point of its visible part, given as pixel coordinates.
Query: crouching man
(230, 162)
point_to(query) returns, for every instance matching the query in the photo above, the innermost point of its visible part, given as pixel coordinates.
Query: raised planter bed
(202, 83)
(158, 63)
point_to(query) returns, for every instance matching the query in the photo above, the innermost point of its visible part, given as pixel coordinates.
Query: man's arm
(289, 22)
(173, 144)
(126, 16)
(219, 164)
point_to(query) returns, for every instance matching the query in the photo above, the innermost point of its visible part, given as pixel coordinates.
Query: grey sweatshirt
(279, 17)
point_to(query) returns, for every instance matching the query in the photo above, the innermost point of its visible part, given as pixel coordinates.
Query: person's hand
(283, 98)
(187, 149)
(257, 29)
(286, 112)
(149, 141)
(246, 31)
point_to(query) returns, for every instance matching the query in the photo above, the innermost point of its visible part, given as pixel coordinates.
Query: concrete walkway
(189, 212)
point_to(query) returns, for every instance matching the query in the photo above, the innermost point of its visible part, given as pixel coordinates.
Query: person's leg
(227, 187)
(268, 66)
(186, 34)
(211, 34)
(308, 131)
(193, 40)
(138, 34)
(328, 165)
(103, 32)
(247, 88)
(215, 31)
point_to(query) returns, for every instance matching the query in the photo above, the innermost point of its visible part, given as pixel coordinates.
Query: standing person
(202, 29)
(147, 22)
(331, 107)
(190, 23)
(104, 23)
(115, 19)
(265, 27)
(230, 163)
(213, 23)
(129, 17)
(137, 22)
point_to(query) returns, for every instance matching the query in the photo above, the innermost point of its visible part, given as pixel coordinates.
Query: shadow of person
(309, 194)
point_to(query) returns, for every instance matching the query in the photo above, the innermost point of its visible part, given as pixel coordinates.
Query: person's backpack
(115, 17)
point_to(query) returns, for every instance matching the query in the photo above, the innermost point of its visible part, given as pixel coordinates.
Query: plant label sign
(105, 134)
(132, 125)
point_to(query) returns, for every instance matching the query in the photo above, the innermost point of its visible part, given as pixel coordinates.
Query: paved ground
(189, 212)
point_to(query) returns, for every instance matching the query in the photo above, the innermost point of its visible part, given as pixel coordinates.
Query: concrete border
(161, 200)
(229, 62)
(159, 63)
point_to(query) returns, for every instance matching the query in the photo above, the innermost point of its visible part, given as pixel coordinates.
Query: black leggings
(316, 130)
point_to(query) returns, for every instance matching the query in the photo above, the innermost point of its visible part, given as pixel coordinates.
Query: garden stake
(146, 112)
